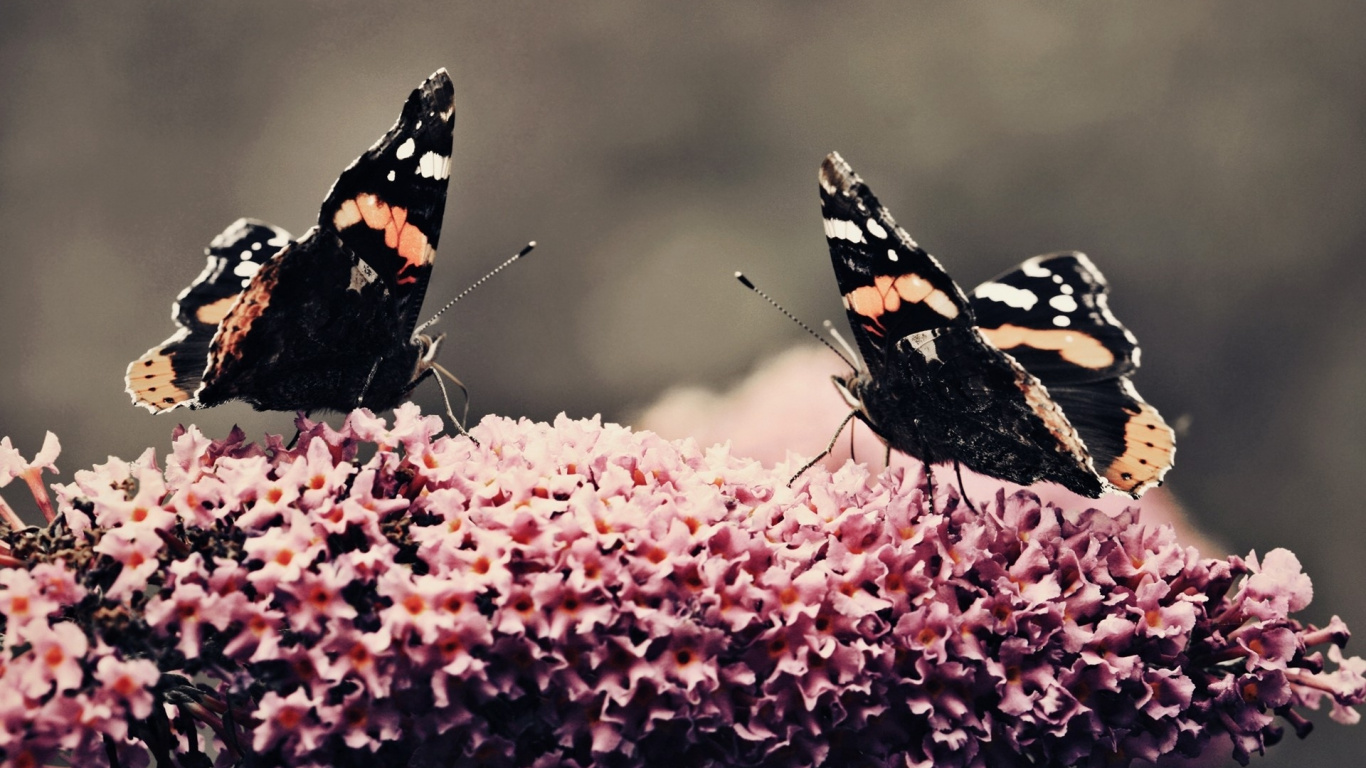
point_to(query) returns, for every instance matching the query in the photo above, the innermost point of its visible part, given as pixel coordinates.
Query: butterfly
(326, 321)
(1025, 380)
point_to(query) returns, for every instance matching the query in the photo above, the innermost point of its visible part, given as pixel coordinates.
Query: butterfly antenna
(830, 328)
(476, 284)
(745, 282)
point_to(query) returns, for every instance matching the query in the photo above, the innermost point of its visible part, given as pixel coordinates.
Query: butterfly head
(852, 388)
(426, 353)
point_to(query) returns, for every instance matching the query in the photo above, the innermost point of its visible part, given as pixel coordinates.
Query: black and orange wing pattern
(328, 322)
(169, 374)
(940, 388)
(1052, 315)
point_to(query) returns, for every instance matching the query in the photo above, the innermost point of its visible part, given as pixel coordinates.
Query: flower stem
(33, 476)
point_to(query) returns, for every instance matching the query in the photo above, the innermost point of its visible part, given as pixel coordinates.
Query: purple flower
(580, 594)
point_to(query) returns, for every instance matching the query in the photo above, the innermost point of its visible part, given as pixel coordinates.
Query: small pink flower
(130, 682)
(137, 550)
(283, 719)
(317, 597)
(53, 656)
(22, 600)
(180, 615)
(322, 477)
(1277, 585)
(358, 656)
(12, 464)
(284, 551)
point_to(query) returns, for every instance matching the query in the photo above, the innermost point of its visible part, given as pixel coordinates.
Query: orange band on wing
(1148, 448)
(401, 235)
(1075, 347)
(151, 382)
(887, 293)
(214, 312)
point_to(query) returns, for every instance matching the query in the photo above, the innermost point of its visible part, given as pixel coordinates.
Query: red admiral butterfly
(1027, 380)
(325, 321)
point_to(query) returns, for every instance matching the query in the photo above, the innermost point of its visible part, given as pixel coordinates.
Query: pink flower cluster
(580, 594)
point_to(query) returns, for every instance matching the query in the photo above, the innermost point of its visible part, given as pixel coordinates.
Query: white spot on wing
(941, 303)
(361, 275)
(247, 269)
(406, 149)
(891, 254)
(843, 230)
(1067, 289)
(923, 342)
(434, 166)
(1033, 268)
(1063, 303)
(876, 229)
(1009, 295)
(246, 255)
(391, 175)
(1062, 321)
(256, 246)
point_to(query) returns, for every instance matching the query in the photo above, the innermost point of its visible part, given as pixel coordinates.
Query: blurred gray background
(1210, 157)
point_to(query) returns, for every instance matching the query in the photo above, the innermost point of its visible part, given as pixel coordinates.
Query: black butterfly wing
(388, 205)
(934, 388)
(1052, 316)
(328, 323)
(316, 328)
(892, 288)
(169, 374)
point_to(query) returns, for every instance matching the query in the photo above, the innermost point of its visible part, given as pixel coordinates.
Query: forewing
(388, 205)
(892, 288)
(1052, 315)
(168, 375)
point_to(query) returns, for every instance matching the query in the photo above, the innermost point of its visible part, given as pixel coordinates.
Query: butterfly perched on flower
(326, 321)
(1026, 379)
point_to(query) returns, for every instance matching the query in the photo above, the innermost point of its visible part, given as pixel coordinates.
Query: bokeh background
(1211, 157)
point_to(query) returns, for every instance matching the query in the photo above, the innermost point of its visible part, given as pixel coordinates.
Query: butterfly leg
(929, 482)
(924, 461)
(958, 470)
(828, 448)
(459, 424)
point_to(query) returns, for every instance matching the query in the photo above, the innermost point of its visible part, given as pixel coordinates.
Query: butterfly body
(943, 404)
(323, 337)
(1025, 380)
(326, 321)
